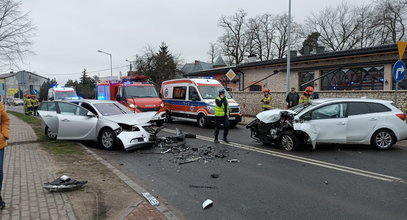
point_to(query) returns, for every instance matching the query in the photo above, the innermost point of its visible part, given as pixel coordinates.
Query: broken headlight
(126, 127)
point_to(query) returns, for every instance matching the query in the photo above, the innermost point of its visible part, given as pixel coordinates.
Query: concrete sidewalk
(26, 168)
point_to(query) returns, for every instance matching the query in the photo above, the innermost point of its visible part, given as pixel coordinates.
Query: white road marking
(319, 163)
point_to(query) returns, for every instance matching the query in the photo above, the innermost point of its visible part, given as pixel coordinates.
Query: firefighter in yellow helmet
(307, 96)
(36, 104)
(29, 105)
(266, 100)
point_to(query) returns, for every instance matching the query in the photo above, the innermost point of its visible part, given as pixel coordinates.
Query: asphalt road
(331, 182)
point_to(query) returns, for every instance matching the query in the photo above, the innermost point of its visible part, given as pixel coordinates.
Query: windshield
(140, 92)
(211, 92)
(299, 108)
(108, 109)
(65, 94)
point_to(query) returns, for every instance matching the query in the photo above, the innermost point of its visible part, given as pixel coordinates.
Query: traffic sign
(399, 70)
(230, 74)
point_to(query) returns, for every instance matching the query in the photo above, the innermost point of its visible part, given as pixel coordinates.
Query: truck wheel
(168, 118)
(202, 121)
(288, 141)
(107, 139)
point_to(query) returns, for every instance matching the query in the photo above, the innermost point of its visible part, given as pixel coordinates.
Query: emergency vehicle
(194, 100)
(136, 93)
(62, 93)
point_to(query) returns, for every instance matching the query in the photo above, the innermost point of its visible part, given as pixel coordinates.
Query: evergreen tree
(311, 42)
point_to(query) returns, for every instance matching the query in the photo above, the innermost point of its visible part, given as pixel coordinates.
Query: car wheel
(383, 139)
(202, 121)
(168, 118)
(288, 141)
(159, 123)
(107, 139)
(49, 134)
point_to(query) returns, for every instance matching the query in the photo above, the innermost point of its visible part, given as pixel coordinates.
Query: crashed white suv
(332, 121)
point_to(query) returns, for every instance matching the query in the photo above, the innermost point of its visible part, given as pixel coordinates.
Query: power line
(93, 71)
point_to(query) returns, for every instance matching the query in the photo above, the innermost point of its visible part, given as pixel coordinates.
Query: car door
(330, 122)
(48, 113)
(74, 123)
(179, 102)
(361, 121)
(193, 102)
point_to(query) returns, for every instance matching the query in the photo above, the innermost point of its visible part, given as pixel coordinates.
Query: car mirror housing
(306, 117)
(90, 114)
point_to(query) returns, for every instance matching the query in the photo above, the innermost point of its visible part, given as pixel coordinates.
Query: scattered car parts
(63, 183)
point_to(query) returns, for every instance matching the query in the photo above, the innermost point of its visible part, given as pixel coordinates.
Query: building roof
(196, 67)
(219, 62)
(7, 75)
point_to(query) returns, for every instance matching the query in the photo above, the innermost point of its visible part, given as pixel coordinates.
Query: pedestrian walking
(4, 136)
(307, 96)
(266, 100)
(292, 98)
(221, 116)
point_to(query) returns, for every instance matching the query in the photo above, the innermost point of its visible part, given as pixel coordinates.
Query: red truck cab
(136, 93)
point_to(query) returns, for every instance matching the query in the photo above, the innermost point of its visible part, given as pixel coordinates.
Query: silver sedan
(108, 122)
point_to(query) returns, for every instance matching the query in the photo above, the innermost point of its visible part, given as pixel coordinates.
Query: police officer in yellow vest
(307, 96)
(266, 100)
(221, 116)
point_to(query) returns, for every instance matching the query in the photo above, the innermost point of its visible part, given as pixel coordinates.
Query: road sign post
(399, 72)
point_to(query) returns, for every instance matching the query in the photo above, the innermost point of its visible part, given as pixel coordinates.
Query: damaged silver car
(332, 121)
(109, 123)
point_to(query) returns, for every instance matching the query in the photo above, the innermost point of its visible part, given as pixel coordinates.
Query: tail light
(402, 116)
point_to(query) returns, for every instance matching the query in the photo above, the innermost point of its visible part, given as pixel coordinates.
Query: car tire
(168, 118)
(202, 121)
(288, 141)
(159, 123)
(383, 139)
(49, 134)
(107, 139)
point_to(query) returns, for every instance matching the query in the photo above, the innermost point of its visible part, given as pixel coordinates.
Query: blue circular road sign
(399, 70)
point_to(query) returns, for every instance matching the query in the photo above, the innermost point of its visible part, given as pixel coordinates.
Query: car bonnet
(132, 119)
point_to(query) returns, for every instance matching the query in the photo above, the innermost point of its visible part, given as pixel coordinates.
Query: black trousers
(221, 120)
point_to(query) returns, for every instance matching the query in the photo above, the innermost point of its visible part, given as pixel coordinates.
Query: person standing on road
(292, 98)
(29, 103)
(266, 100)
(4, 136)
(221, 116)
(36, 104)
(307, 96)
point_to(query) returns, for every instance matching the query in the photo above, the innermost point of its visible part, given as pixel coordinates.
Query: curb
(163, 209)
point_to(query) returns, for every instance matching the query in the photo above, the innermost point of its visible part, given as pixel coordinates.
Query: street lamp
(130, 64)
(111, 68)
(288, 79)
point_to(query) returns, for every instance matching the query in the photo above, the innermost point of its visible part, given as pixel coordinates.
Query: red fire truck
(136, 93)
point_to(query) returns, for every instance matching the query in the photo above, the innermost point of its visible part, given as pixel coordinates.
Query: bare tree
(390, 22)
(16, 31)
(280, 39)
(213, 52)
(267, 30)
(338, 26)
(233, 41)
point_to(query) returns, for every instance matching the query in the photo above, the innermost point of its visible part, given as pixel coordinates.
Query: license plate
(232, 118)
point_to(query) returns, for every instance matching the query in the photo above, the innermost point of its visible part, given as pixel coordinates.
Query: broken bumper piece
(63, 183)
(134, 140)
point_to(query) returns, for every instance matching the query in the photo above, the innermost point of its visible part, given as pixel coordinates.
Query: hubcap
(287, 142)
(107, 139)
(50, 134)
(383, 139)
(201, 121)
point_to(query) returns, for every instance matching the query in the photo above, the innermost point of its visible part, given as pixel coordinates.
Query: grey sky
(71, 31)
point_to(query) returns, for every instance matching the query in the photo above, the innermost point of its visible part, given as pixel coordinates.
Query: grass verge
(53, 146)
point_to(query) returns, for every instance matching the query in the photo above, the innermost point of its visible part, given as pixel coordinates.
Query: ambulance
(194, 100)
(62, 93)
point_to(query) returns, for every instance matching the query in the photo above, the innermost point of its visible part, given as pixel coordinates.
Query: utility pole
(288, 80)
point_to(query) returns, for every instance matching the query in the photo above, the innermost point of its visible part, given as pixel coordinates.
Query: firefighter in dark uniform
(221, 116)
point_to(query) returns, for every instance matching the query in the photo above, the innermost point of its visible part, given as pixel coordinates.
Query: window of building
(368, 78)
(179, 92)
(304, 77)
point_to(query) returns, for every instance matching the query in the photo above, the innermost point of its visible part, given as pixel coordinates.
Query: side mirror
(306, 117)
(90, 114)
(118, 98)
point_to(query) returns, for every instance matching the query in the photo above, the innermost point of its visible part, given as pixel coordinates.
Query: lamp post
(130, 64)
(289, 49)
(111, 68)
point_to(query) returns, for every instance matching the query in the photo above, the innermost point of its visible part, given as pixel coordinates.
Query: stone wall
(251, 105)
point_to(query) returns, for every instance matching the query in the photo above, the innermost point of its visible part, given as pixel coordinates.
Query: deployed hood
(132, 119)
(272, 115)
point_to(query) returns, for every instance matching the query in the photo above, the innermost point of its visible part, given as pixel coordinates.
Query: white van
(194, 100)
(62, 93)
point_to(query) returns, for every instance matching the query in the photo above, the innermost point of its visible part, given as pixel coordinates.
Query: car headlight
(133, 106)
(126, 127)
(211, 109)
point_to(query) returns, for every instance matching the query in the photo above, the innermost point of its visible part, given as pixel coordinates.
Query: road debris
(63, 183)
(151, 199)
(233, 161)
(326, 182)
(214, 175)
(203, 187)
(189, 160)
(207, 203)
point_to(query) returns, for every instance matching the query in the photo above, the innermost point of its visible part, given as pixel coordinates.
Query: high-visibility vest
(29, 103)
(220, 111)
(267, 102)
(36, 102)
(305, 99)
